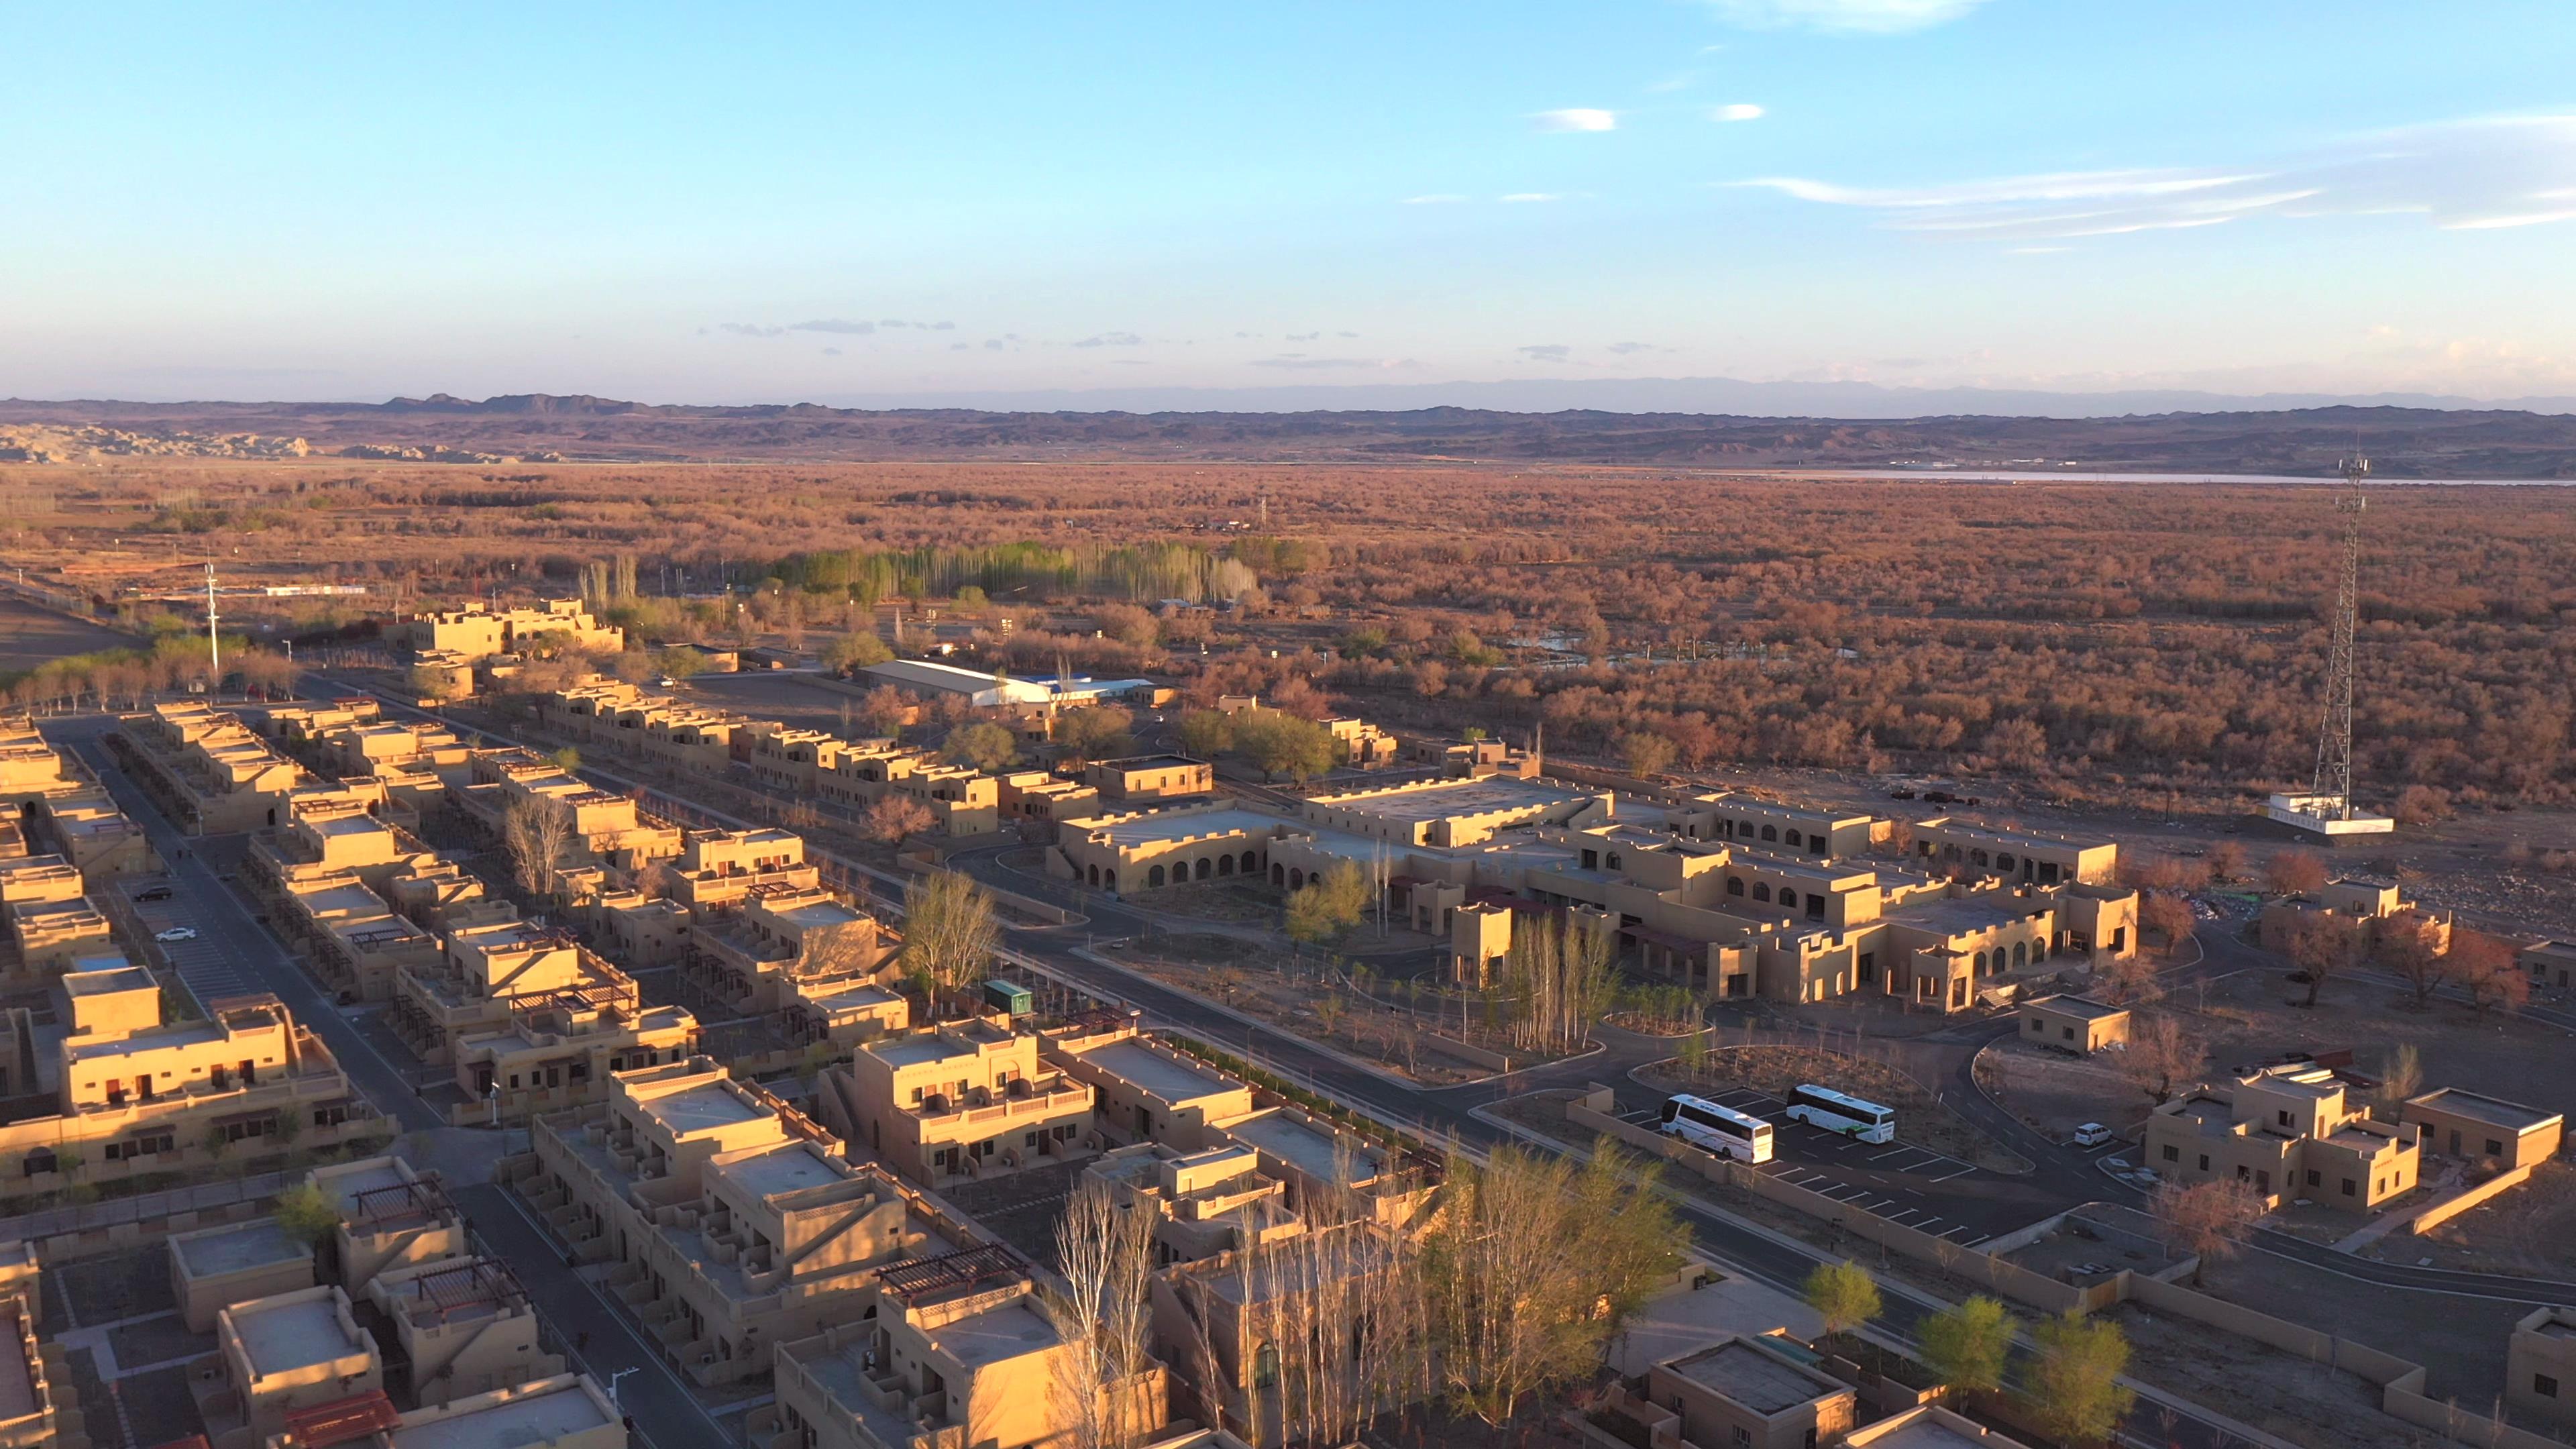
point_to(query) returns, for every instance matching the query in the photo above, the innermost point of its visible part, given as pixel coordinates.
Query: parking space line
(1962, 1172)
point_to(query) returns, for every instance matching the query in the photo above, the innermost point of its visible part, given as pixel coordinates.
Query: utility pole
(214, 644)
(2331, 791)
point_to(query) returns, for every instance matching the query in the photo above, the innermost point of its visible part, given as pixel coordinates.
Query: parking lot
(1910, 1186)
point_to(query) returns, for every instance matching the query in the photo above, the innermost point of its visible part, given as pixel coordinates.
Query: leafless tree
(2208, 1220)
(1104, 1249)
(1561, 978)
(894, 818)
(539, 836)
(2163, 1053)
(2323, 944)
(2410, 945)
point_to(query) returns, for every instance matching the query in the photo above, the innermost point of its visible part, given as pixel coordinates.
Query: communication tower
(2327, 808)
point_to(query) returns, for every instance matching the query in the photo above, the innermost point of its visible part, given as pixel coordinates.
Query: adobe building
(1216, 1314)
(1143, 1090)
(736, 1222)
(753, 956)
(2287, 1132)
(2077, 1024)
(475, 632)
(961, 1099)
(453, 1328)
(28, 1416)
(1743, 1392)
(1203, 1203)
(1791, 830)
(1146, 850)
(284, 1353)
(2550, 963)
(61, 807)
(2458, 1123)
(954, 1352)
(607, 829)
(210, 773)
(530, 1019)
(2540, 1367)
(568, 1411)
(117, 1093)
(2366, 905)
(1929, 1426)
(391, 1217)
(1140, 778)
(2031, 857)
(213, 1268)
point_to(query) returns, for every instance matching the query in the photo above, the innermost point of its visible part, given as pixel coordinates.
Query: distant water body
(2071, 475)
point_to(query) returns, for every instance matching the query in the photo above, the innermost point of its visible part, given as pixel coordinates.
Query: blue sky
(665, 202)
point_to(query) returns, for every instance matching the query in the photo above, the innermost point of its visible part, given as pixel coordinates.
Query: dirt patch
(2276, 1392)
(2053, 1093)
(1775, 1068)
(29, 636)
(2528, 1231)
(1240, 900)
(1307, 999)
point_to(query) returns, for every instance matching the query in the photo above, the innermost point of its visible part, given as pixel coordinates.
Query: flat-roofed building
(2465, 1124)
(456, 1327)
(1135, 778)
(288, 1352)
(735, 1222)
(476, 632)
(957, 1355)
(214, 1268)
(1929, 1426)
(1043, 798)
(752, 956)
(1211, 1201)
(1146, 850)
(958, 1100)
(2286, 1132)
(208, 770)
(169, 1098)
(47, 937)
(531, 1020)
(2077, 1024)
(2028, 856)
(1145, 1091)
(719, 868)
(2550, 963)
(1757, 1391)
(28, 1419)
(391, 1216)
(2366, 907)
(567, 1411)
(845, 1010)
(2540, 1367)
(1331, 1173)
(1794, 830)
(607, 829)
(1450, 813)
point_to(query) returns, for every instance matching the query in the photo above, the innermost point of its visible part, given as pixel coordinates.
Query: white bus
(1722, 1130)
(1831, 1110)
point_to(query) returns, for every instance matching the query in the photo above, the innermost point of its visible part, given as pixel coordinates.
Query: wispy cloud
(1304, 336)
(1739, 111)
(831, 352)
(1630, 349)
(2472, 175)
(1843, 17)
(1436, 198)
(1300, 362)
(747, 329)
(1112, 339)
(834, 324)
(1519, 197)
(1545, 352)
(1576, 118)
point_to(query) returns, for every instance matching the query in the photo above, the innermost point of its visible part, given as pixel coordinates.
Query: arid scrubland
(2089, 636)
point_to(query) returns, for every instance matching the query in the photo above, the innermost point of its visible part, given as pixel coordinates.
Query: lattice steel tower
(2332, 793)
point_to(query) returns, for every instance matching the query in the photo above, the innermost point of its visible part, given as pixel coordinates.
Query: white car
(176, 933)
(666, 682)
(2092, 1134)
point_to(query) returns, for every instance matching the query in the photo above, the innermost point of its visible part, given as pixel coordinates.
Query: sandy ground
(29, 636)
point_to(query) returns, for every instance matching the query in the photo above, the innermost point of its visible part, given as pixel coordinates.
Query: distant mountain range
(2157, 432)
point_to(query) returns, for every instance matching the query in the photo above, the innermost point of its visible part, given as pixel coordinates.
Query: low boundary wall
(2436, 1214)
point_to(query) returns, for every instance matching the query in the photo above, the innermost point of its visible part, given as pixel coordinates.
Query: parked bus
(1722, 1130)
(1831, 1110)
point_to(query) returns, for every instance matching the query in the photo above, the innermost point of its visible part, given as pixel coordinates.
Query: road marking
(1962, 1172)
(1891, 1152)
